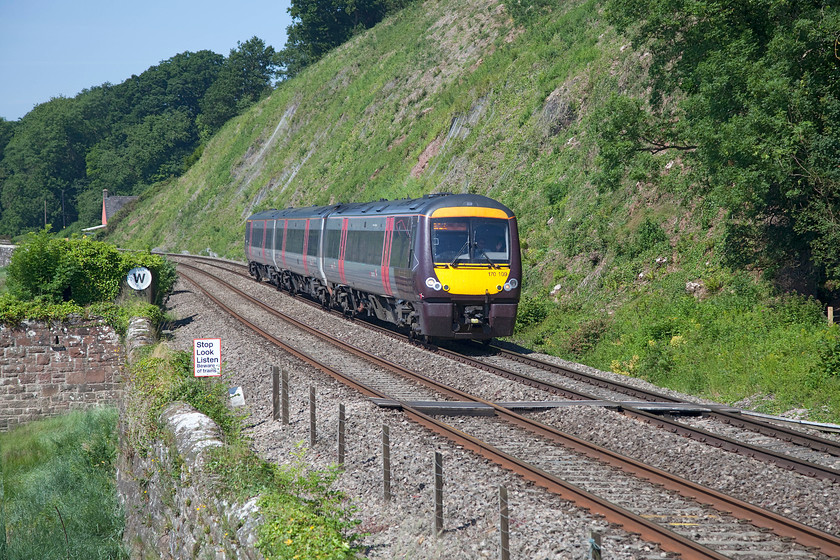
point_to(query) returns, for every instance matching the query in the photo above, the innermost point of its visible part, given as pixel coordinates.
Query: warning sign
(207, 357)
(139, 278)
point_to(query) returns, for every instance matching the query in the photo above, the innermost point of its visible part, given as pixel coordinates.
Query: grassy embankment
(453, 95)
(57, 492)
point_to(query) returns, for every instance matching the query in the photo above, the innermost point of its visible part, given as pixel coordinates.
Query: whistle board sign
(207, 357)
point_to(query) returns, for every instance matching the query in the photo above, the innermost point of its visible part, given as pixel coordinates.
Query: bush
(530, 312)
(79, 270)
(303, 515)
(586, 336)
(166, 376)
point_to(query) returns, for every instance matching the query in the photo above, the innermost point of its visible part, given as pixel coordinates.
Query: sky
(55, 48)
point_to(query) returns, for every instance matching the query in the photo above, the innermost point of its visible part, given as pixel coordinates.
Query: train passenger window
(294, 239)
(279, 231)
(269, 235)
(332, 244)
(365, 246)
(401, 249)
(314, 239)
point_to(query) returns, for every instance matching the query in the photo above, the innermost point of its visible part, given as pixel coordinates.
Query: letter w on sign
(139, 278)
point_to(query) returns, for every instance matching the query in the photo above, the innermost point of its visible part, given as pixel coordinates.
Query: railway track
(785, 449)
(568, 455)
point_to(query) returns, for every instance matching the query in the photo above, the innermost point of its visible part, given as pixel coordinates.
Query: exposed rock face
(6, 254)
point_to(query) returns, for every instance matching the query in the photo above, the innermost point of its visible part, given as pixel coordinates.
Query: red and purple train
(445, 266)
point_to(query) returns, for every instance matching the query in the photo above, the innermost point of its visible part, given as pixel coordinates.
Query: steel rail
(782, 526)
(756, 425)
(780, 459)
(631, 522)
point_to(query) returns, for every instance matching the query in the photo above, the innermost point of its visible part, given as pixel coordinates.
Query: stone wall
(171, 509)
(47, 370)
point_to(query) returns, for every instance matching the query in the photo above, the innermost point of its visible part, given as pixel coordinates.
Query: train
(444, 266)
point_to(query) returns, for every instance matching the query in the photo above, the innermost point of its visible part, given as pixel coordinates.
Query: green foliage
(585, 337)
(79, 270)
(756, 115)
(55, 162)
(527, 12)
(303, 514)
(13, 310)
(304, 517)
(830, 352)
(522, 113)
(648, 237)
(531, 310)
(739, 341)
(245, 77)
(319, 26)
(62, 465)
(165, 376)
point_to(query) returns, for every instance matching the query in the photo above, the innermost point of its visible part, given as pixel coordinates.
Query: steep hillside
(451, 95)
(445, 96)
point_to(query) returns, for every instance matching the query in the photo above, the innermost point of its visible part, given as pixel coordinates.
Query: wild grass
(736, 343)
(59, 496)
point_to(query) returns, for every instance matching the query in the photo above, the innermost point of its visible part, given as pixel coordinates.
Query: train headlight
(511, 284)
(433, 284)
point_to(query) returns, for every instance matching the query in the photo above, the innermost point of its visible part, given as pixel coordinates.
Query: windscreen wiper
(458, 254)
(486, 256)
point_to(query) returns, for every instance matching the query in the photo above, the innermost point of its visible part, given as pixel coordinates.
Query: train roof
(425, 205)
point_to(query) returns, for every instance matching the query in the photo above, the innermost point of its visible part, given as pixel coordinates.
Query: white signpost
(207, 357)
(139, 278)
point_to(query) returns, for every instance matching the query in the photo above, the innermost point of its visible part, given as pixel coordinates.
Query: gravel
(542, 525)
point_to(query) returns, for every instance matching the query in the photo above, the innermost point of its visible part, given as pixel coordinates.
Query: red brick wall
(48, 370)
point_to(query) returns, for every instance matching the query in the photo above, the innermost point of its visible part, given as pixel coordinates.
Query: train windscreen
(473, 241)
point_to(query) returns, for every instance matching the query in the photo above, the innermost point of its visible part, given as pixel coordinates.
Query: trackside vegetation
(57, 476)
(52, 278)
(304, 517)
(57, 493)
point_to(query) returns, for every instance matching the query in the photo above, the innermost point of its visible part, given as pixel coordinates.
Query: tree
(758, 85)
(245, 77)
(43, 160)
(319, 26)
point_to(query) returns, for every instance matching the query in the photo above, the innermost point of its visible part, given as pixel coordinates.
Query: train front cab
(471, 273)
